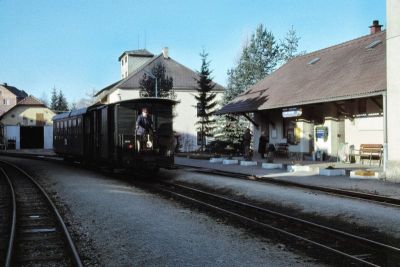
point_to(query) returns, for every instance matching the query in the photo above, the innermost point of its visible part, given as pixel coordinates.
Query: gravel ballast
(382, 218)
(118, 224)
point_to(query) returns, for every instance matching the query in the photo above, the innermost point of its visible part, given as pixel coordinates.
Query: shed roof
(353, 69)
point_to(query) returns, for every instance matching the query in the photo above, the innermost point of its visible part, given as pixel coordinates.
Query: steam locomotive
(105, 135)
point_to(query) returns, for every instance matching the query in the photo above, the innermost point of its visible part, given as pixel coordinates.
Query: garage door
(31, 137)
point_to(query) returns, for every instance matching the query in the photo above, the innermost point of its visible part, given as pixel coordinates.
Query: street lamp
(154, 77)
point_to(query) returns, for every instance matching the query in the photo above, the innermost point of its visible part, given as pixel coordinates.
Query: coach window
(79, 125)
(57, 129)
(74, 126)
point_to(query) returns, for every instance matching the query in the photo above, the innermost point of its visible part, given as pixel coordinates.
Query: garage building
(27, 125)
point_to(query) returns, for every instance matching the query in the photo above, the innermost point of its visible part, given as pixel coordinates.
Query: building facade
(322, 104)
(9, 97)
(393, 89)
(135, 64)
(27, 125)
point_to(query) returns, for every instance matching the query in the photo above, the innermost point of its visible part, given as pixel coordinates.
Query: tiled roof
(30, 101)
(15, 91)
(107, 88)
(137, 53)
(345, 71)
(27, 101)
(183, 77)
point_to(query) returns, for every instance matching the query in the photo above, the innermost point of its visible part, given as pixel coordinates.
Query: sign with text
(292, 112)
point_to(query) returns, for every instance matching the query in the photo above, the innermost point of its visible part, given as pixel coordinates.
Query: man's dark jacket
(143, 125)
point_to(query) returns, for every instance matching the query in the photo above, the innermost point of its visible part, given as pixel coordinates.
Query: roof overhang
(253, 105)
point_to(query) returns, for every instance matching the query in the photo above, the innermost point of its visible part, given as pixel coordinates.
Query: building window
(126, 58)
(1, 92)
(6, 101)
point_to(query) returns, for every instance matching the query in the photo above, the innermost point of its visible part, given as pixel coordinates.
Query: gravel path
(120, 225)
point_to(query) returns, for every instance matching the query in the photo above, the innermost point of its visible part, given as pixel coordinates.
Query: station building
(134, 64)
(28, 124)
(322, 104)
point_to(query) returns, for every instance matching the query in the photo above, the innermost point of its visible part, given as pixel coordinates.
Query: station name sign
(291, 112)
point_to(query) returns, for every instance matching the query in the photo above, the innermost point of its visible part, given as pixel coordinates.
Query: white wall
(13, 132)
(336, 137)
(48, 137)
(122, 94)
(306, 133)
(186, 118)
(364, 131)
(393, 88)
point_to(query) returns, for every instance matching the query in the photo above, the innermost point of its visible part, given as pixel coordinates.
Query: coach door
(125, 127)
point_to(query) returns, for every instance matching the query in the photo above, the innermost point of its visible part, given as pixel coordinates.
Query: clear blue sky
(75, 45)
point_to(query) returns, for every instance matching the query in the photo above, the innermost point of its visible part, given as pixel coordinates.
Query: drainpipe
(385, 144)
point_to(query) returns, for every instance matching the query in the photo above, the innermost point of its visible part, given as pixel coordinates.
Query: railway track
(395, 202)
(35, 232)
(335, 191)
(341, 248)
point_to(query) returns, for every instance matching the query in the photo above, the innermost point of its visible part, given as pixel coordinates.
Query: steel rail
(71, 245)
(259, 209)
(332, 230)
(394, 202)
(13, 221)
(383, 200)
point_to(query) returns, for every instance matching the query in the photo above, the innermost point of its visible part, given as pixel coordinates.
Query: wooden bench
(371, 152)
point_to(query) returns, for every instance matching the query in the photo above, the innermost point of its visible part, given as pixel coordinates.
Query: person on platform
(246, 144)
(262, 144)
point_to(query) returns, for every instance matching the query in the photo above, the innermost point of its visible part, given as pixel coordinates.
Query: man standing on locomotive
(144, 125)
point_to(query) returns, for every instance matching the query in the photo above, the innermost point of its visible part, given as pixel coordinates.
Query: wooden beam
(379, 105)
(251, 120)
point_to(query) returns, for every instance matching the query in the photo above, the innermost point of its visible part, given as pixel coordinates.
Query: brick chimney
(375, 27)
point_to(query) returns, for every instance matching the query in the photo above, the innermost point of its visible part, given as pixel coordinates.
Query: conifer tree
(58, 101)
(53, 103)
(62, 103)
(165, 83)
(290, 45)
(206, 102)
(259, 57)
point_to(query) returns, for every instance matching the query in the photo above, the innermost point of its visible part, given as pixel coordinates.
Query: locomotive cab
(150, 149)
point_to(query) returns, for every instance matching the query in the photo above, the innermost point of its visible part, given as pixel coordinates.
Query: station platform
(308, 174)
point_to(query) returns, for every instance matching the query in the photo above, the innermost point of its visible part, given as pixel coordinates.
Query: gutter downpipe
(385, 139)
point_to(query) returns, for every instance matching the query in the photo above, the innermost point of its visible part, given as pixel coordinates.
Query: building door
(40, 119)
(32, 137)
